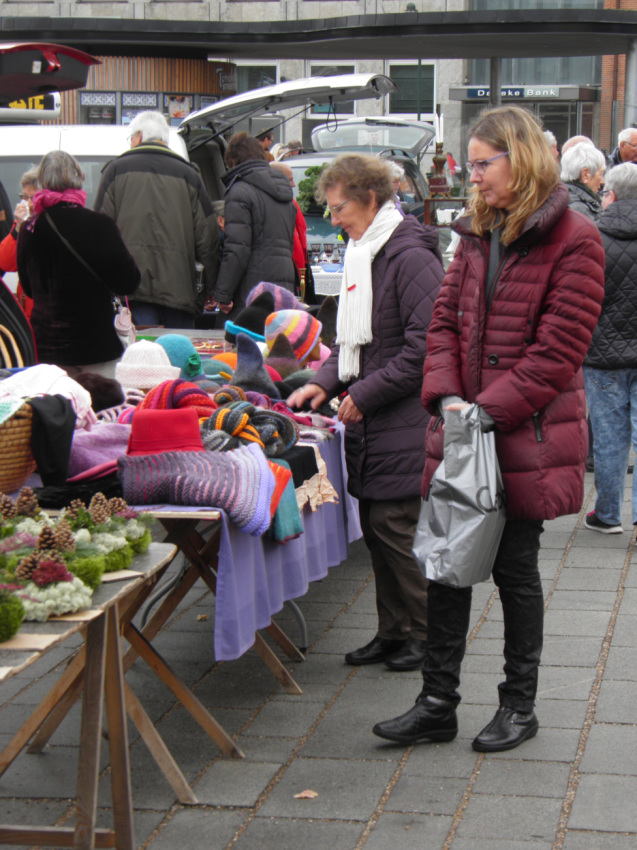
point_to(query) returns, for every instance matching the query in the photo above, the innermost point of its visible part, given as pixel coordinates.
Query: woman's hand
(310, 392)
(457, 405)
(348, 412)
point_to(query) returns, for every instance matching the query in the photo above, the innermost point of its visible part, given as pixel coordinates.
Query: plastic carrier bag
(462, 519)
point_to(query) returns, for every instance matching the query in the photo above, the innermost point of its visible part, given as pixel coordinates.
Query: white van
(22, 147)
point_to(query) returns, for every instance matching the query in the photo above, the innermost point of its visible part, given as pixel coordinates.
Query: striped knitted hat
(283, 298)
(179, 394)
(302, 330)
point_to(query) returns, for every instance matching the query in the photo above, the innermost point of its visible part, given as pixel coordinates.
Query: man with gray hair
(610, 367)
(166, 220)
(582, 170)
(626, 150)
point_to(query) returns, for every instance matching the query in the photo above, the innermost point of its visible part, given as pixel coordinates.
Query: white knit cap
(144, 365)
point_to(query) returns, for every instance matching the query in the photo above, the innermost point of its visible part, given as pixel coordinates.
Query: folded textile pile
(239, 423)
(239, 482)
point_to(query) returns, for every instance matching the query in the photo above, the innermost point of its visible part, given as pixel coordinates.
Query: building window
(98, 107)
(416, 89)
(255, 77)
(344, 108)
(177, 107)
(135, 102)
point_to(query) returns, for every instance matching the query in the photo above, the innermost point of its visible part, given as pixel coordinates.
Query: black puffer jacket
(259, 232)
(583, 200)
(386, 451)
(614, 343)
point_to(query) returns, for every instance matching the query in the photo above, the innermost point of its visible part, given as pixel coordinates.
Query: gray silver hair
(152, 125)
(550, 138)
(58, 171)
(579, 157)
(624, 135)
(622, 180)
(396, 170)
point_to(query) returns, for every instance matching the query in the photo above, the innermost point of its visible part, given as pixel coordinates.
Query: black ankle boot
(431, 719)
(507, 729)
(375, 652)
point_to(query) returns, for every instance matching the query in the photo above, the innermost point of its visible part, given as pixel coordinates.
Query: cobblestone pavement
(574, 786)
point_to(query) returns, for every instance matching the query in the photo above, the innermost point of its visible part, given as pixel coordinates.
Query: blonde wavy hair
(534, 173)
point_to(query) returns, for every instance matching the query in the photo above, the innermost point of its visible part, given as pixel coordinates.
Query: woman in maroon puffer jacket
(510, 330)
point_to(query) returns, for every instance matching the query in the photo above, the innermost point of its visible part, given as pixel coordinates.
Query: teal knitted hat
(181, 352)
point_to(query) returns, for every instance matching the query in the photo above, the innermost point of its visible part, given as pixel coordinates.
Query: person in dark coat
(72, 284)
(610, 367)
(392, 273)
(510, 330)
(259, 232)
(160, 205)
(582, 171)
(626, 150)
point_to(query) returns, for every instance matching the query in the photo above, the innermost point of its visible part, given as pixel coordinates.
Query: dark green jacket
(166, 220)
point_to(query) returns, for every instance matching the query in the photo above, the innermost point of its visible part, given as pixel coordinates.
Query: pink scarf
(45, 198)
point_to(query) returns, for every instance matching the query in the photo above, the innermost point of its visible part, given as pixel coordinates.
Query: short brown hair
(359, 175)
(58, 171)
(242, 148)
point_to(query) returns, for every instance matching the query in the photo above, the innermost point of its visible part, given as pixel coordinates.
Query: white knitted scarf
(354, 318)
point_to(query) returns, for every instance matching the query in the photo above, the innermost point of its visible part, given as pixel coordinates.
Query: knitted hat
(302, 329)
(327, 317)
(230, 358)
(250, 373)
(217, 370)
(171, 395)
(105, 392)
(282, 357)
(155, 431)
(181, 352)
(251, 319)
(144, 365)
(226, 395)
(283, 298)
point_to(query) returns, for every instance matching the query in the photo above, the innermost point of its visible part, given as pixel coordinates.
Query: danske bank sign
(516, 92)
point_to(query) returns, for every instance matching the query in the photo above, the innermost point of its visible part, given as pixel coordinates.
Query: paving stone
(597, 841)
(555, 540)
(286, 719)
(601, 804)
(583, 600)
(275, 750)
(451, 760)
(234, 782)
(408, 832)
(555, 745)
(292, 833)
(490, 844)
(510, 818)
(332, 591)
(322, 668)
(607, 559)
(198, 827)
(610, 749)
(621, 664)
(602, 580)
(145, 823)
(595, 540)
(52, 774)
(576, 623)
(522, 778)
(428, 795)
(366, 624)
(348, 790)
(561, 713)
(616, 703)
(565, 651)
(625, 632)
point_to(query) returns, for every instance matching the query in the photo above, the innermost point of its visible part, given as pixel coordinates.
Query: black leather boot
(430, 720)
(410, 656)
(377, 650)
(507, 729)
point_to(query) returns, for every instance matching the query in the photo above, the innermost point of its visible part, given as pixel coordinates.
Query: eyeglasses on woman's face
(335, 210)
(481, 165)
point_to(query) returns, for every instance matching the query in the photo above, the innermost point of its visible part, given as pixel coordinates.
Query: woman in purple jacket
(392, 274)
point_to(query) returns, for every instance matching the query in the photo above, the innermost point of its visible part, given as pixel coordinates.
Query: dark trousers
(145, 313)
(401, 590)
(516, 574)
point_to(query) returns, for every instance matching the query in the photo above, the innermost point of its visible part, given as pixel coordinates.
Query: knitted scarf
(45, 198)
(354, 319)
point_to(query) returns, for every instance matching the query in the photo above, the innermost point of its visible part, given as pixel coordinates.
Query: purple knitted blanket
(239, 482)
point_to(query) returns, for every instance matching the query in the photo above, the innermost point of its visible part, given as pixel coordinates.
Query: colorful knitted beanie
(283, 298)
(250, 373)
(179, 394)
(181, 352)
(251, 320)
(143, 365)
(302, 330)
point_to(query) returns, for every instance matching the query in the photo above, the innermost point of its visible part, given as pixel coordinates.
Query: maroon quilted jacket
(385, 452)
(521, 360)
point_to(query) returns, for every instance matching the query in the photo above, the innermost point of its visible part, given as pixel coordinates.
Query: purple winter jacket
(385, 452)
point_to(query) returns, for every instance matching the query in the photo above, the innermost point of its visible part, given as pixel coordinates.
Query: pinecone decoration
(63, 536)
(46, 539)
(26, 566)
(99, 509)
(27, 503)
(73, 509)
(7, 507)
(117, 505)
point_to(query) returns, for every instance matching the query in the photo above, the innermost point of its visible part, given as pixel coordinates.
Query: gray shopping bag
(462, 518)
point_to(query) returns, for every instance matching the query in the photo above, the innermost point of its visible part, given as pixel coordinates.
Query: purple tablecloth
(256, 576)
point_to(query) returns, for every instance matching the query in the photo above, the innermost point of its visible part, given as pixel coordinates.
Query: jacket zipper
(536, 423)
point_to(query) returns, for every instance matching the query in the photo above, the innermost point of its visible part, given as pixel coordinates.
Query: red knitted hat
(156, 431)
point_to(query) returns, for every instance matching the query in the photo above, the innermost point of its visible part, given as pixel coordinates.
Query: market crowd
(533, 324)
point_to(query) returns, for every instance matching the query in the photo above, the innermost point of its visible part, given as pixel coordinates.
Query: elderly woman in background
(71, 260)
(583, 172)
(392, 273)
(510, 330)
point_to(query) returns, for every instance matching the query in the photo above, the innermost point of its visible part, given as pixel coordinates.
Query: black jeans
(516, 574)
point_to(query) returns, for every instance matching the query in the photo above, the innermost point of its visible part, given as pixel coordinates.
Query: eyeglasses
(605, 192)
(24, 197)
(335, 210)
(481, 165)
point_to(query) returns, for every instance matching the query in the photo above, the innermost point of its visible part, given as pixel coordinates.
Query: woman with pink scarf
(71, 261)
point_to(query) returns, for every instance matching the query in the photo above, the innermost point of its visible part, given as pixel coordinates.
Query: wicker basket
(16, 457)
